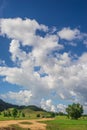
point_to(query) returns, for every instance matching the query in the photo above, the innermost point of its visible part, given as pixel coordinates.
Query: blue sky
(43, 52)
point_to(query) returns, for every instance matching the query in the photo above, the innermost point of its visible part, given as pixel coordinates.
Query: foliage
(63, 123)
(23, 114)
(52, 114)
(5, 114)
(14, 112)
(8, 113)
(61, 113)
(38, 115)
(5, 105)
(74, 111)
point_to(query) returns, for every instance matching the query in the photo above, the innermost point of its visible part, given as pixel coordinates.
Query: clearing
(32, 124)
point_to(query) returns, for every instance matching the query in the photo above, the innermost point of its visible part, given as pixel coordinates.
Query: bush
(38, 115)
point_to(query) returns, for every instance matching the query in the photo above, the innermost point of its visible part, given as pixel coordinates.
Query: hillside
(31, 111)
(4, 105)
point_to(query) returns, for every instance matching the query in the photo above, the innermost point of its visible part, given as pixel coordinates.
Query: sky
(43, 53)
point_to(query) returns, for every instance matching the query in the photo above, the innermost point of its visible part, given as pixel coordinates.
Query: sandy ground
(35, 125)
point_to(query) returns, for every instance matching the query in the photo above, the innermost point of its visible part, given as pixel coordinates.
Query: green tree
(5, 113)
(19, 113)
(38, 115)
(53, 114)
(14, 112)
(22, 114)
(8, 113)
(74, 111)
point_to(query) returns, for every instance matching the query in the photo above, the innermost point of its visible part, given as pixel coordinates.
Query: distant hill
(4, 105)
(30, 111)
(34, 108)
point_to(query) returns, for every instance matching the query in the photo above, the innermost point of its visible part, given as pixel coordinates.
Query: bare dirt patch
(33, 124)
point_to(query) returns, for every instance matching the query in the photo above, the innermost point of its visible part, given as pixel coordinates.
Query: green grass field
(62, 123)
(59, 123)
(29, 114)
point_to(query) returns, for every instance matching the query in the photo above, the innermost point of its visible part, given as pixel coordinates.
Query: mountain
(4, 105)
(30, 111)
(34, 108)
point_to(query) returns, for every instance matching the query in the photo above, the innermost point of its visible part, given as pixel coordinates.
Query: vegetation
(25, 123)
(60, 122)
(14, 112)
(74, 111)
(63, 123)
(4, 105)
(38, 115)
(23, 112)
(16, 127)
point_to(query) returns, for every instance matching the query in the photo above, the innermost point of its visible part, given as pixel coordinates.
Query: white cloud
(16, 52)
(69, 34)
(2, 63)
(47, 105)
(85, 42)
(61, 108)
(22, 30)
(22, 97)
(68, 78)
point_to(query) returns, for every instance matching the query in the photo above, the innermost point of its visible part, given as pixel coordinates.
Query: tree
(22, 114)
(38, 115)
(53, 114)
(14, 112)
(74, 111)
(5, 114)
(8, 113)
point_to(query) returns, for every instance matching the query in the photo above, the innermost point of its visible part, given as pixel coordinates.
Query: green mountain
(31, 111)
(4, 105)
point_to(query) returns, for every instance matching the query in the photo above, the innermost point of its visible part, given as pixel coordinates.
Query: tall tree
(14, 112)
(74, 111)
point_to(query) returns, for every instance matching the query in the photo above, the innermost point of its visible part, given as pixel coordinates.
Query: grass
(59, 123)
(26, 123)
(62, 123)
(29, 114)
(16, 127)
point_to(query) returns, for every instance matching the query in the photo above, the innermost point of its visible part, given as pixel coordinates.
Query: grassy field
(29, 114)
(59, 123)
(62, 123)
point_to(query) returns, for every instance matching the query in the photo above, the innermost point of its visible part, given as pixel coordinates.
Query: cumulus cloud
(48, 105)
(69, 34)
(22, 97)
(61, 108)
(57, 71)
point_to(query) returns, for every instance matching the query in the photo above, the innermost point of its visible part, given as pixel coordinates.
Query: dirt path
(35, 125)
